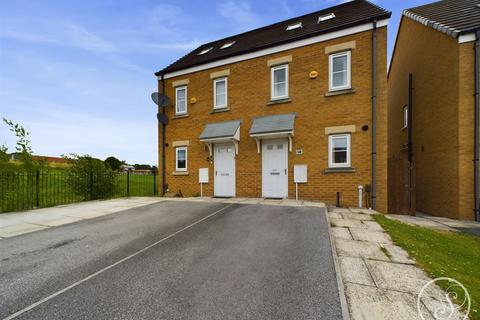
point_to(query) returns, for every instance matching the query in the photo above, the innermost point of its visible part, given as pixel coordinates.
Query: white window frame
(176, 159)
(405, 117)
(272, 84)
(176, 100)
(348, 85)
(330, 151)
(215, 105)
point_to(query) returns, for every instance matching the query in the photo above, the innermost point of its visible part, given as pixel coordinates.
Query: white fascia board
(280, 48)
(469, 37)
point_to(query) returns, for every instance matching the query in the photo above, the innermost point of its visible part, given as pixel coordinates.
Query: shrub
(91, 178)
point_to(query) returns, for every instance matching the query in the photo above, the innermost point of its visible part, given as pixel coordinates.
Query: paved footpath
(381, 281)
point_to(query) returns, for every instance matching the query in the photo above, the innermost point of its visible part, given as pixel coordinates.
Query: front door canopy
(221, 132)
(273, 127)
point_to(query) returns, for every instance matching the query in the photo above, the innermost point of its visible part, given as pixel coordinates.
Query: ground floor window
(181, 159)
(339, 151)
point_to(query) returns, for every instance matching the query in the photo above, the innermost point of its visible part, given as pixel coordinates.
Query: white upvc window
(220, 93)
(181, 100)
(279, 82)
(405, 117)
(181, 154)
(340, 71)
(339, 151)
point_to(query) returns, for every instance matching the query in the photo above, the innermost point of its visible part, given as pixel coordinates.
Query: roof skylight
(227, 45)
(294, 26)
(326, 17)
(207, 50)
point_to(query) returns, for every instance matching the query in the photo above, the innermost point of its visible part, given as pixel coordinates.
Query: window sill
(340, 170)
(279, 101)
(180, 173)
(180, 116)
(219, 110)
(340, 92)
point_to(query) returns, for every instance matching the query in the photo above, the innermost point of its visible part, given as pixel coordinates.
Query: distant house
(434, 120)
(127, 168)
(17, 156)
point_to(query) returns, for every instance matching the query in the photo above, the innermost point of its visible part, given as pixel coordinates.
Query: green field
(23, 191)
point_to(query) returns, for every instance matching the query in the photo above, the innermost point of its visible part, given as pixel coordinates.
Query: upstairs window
(204, 51)
(279, 82)
(227, 45)
(220, 93)
(405, 117)
(294, 26)
(181, 159)
(326, 17)
(339, 151)
(181, 100)
(339, 71)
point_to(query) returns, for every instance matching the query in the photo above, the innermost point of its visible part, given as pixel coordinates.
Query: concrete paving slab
(357, 216)
(335, 215)
(292, 203)
(399, 277)
(370, 303)
(441, 308)
(354, 270)
(20, 228)
(341, 233)
(370, 236)
(373, 226)
(419, 222)
(347, 223)
(7, 222)
(88, 214)
(397, 254)
(359, 249)
(314, 204)
(60, 221)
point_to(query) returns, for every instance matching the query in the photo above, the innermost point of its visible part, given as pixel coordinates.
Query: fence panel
(28, 190)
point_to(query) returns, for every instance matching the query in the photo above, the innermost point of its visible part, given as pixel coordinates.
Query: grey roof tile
(272, 124)
(220, 130)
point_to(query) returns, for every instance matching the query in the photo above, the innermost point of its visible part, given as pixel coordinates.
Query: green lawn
(441, 254)
(19, 191)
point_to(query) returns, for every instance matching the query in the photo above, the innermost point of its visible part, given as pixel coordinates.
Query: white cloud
(239, 14)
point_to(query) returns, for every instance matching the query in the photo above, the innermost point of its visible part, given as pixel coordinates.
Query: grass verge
(441, 254)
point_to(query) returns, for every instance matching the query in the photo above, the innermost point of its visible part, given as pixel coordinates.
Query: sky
(78, 74)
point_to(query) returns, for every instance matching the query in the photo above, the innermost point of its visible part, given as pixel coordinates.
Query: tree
(23, 145)
(90, 177)
(113, 163)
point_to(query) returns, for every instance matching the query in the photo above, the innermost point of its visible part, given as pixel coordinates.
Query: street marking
(93, 275)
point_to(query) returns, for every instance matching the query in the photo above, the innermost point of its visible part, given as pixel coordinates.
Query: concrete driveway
(175, 260)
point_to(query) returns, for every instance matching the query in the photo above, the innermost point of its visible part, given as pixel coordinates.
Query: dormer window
(326, 17)
(227, 45)
(294, 26)
(204, 51)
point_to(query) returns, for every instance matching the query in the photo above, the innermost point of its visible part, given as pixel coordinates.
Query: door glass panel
(279, 146)
(270, 147)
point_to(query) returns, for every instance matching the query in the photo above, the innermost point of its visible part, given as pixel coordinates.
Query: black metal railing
(40, 189)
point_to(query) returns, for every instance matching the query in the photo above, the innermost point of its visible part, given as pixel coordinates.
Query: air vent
(204, 51)
(227, 45)
(294, 26)
(326, 17)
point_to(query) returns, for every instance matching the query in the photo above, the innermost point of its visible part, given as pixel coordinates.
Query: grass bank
(441, 254)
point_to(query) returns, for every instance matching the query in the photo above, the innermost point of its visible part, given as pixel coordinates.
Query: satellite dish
(160, 99)
(162, 118)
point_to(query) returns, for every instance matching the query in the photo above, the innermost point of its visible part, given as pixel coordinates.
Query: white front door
(274, 168)
(224, 162)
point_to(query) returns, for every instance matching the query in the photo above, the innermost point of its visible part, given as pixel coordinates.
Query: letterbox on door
(300, 173)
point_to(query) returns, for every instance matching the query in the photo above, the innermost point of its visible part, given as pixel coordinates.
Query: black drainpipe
(163, 136)
(477, 128)
(374, 115)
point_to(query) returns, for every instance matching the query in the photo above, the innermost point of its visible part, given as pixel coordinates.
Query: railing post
(128, 183)
(91, 185)
(37, 189)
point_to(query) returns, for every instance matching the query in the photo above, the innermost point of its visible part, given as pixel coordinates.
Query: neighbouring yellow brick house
(303, 100)
(433, 121)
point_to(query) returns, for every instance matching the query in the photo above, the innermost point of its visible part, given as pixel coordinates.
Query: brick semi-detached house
(433, 122)
(303, 92)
